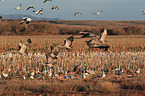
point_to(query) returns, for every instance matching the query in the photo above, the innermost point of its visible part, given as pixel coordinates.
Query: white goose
(39, 11)
(77, 13)
(98, 12)
(24, 77)
(26, 20)
(30, 7)
(55, 7)
(47, 0)
(18, 8)
(4, 75)
(143, 12)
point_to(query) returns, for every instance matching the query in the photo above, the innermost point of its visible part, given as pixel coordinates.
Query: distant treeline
(58, 27)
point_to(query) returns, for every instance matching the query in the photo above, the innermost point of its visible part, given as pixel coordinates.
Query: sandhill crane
(19, 45)
(52, 56)
(39, 11)
(86, 34)
(18, 8)
(95, 43)
(55, 7)
(103, 35)
(68, 42)
(77, 13)
(26, 20)
(47, 0)
(98, 12)
(30, 7)
(23, 46)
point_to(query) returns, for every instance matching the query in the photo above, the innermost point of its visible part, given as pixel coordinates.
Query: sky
(112, 9)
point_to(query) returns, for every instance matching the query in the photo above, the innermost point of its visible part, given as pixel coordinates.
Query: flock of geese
(53, 7)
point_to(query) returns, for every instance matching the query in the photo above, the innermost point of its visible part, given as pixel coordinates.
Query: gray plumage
(52, 56)
(98, 43)
(23, 46)
(68, 42)
(103, 35)
(87, 34)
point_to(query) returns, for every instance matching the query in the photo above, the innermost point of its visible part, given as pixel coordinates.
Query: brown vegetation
(12, 27)
(93, 87)
(128, 83)
(42, 43)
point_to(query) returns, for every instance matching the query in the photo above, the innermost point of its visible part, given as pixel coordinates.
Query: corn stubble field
(126, 51)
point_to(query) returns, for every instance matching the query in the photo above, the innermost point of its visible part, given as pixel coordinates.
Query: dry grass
(129, 50)
(42, 43)
(70, 87)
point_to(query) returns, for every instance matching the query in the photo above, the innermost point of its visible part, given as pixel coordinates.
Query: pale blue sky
(112, 9)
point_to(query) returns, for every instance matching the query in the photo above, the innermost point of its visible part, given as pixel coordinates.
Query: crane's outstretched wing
(103, 35)
(87, 34)
(24, 46)
(20, 45)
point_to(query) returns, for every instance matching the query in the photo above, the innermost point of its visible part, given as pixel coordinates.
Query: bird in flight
(77, 13)
(47, 0)
(103, 35)
(98, 12)
(68, 42)
(26, 20)
(86, 34)
(52, 56)
(23, 46)
(39, 11)
(18, 8)
(55, 7)
(94, 43)
(143, 12)
(30, 7)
